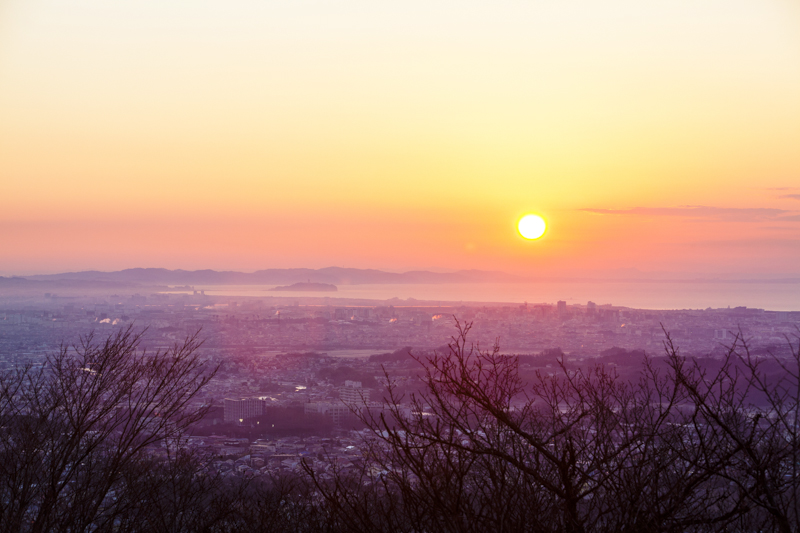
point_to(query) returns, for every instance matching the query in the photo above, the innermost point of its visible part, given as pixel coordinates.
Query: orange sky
(398, 135)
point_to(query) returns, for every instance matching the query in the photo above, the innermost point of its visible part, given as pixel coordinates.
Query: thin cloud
(790, 196)
(755, 243)
(697, 211)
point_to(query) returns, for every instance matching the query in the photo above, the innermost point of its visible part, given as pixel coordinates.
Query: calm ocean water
(784, 296)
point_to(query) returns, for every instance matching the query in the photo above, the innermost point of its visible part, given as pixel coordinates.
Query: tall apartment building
(354, 393)
(236, 410)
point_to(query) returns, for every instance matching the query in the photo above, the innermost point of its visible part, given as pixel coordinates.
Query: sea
(702, 294)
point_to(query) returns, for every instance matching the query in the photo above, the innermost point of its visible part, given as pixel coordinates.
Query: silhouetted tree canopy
(92, 441)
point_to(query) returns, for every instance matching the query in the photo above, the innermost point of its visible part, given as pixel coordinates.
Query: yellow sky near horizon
(252, 134)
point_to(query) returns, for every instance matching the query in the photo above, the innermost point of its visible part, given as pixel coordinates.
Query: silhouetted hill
(330, 275)
(403, 354)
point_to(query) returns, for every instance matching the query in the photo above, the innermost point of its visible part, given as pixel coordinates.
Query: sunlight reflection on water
(776, 296)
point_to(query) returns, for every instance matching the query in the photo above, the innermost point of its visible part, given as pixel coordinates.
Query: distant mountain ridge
(332, 275)
(355, 276)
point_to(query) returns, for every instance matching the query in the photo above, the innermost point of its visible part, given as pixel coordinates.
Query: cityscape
(419, 266)
(292, 369)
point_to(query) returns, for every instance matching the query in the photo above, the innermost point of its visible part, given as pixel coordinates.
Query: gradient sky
(658, 135)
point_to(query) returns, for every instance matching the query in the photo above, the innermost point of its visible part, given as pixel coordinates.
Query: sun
(531, 226)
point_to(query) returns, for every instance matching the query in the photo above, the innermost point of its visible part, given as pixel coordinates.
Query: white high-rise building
(238, 410)
(354, 393)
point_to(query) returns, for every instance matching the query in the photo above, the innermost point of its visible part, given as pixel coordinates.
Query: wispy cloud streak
(697, 211)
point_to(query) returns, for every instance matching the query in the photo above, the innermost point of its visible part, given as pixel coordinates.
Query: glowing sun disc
(531, 226)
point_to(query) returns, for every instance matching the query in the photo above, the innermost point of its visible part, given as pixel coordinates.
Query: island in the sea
(315, 287)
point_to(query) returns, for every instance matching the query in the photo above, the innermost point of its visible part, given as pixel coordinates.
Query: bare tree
(581, 450)
(685, 447)
(75, 427)
(753, 415)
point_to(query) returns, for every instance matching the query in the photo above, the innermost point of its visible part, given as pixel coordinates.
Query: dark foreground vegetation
(678, 448)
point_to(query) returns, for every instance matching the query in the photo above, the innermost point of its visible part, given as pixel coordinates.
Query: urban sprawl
(293, 371)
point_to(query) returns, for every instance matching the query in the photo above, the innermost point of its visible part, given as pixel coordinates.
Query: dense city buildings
(292, 372)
